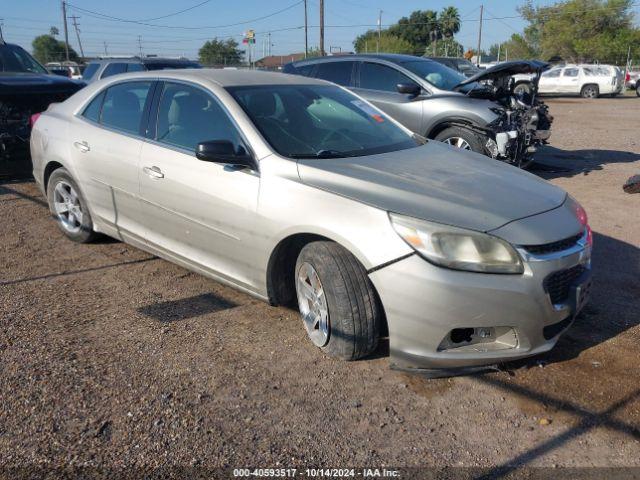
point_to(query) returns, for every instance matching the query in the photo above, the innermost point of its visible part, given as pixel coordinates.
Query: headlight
(457, 248)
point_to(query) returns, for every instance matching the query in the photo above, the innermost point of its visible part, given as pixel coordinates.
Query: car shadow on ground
(552, 162)
(185, 308)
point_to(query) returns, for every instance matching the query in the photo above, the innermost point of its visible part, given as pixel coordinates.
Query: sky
(183, 34)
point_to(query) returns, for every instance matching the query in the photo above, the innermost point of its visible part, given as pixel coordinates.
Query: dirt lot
(112, 358)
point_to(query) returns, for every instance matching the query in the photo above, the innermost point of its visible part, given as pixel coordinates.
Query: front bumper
(425, 303)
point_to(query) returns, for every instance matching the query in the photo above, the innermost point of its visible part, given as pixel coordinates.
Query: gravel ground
(112, 358)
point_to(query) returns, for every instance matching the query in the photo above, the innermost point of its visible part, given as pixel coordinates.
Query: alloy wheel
(313, 304)
(67, 206)
(458, 142)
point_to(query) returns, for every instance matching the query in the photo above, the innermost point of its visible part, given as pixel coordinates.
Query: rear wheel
(638, 90)
(339, 307)
(69, 208)
(589, 91)
(461, 138)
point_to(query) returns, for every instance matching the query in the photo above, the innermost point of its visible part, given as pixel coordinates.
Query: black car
(26, 88)
(462, 65)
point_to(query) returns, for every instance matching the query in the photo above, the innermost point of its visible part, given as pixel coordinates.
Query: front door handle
(82, 146)
(153, 172)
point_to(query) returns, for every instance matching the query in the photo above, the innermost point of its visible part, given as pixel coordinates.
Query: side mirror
(223, 151)
(409, 88)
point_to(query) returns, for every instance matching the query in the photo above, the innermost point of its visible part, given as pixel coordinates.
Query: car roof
(389, 57)
(226, 78)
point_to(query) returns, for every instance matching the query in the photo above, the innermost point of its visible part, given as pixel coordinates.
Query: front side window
(188, 115)
(336, 72)
(570, 72)
(114, 69)
(552, 73)
(436, 74)
(318, 121)
(123, 106)
(375, 76)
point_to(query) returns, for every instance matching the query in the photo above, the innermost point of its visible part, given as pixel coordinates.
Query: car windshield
(320, 121)
(15, 59)
(435, 73)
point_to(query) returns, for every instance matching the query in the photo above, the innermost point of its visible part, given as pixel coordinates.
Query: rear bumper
(424, 304)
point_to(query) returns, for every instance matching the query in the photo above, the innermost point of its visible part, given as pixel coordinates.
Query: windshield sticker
(369, 110)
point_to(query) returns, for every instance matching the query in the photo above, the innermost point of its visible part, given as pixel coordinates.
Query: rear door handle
(82, 146)
(153, 172)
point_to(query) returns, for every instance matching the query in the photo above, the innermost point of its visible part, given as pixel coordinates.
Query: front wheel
(461, 138)
(69, 208)
(589, 91)
(638, 90)
(338, 304)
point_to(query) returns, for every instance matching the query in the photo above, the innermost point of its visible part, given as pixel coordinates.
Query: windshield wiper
(321, 154)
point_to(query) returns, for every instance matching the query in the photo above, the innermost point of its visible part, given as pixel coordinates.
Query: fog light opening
(459, 335)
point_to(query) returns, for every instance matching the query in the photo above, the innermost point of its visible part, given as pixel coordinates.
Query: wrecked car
(481, 113)
(291, 188)
(26, 88)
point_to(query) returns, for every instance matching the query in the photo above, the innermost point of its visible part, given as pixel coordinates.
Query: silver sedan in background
(299, 192)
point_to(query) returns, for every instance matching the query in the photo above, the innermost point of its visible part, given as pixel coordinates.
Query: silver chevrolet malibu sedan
(297, 191)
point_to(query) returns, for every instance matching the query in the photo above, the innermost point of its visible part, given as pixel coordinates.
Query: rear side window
(90, 71)
(92, 112)
(304, 70)
(114, 69)
(123, 106)
(336, 72)
(380, 77)
(135, 67)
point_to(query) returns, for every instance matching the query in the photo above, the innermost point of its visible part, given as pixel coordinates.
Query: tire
(524, 87)
(69, 208)
(638, 90)
(343, 291)
(590, 91)
(470, 140)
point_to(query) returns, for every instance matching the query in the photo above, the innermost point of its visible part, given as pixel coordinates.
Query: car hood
(505, 69)
(20, 83)
(438, 183)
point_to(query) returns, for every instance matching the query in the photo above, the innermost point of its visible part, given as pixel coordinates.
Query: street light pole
(479, 37)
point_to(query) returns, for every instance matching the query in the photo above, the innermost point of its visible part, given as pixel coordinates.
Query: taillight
(33, 119)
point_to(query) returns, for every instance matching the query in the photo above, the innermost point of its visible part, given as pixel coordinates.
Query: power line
(176, 13)
(103, 16)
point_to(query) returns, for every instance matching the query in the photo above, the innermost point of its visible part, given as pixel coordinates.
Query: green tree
(53, 31)
(580, 30)
(368, 43)
(48, 49)
(220, 52)
(449, 21)
(419, 29)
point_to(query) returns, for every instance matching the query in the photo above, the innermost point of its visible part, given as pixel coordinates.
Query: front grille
(558, 246)
(558, 284)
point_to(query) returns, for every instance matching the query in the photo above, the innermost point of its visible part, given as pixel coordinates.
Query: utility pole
(306, 32)
(1, 25)
(499, 45)
(479, 37)
(75, 25)
(322, 28)
(379, 31)
(140, 44)
(269, 44)
(66, 30)
(106, 54)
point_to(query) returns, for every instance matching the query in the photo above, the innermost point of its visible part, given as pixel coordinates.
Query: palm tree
(449, 20)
